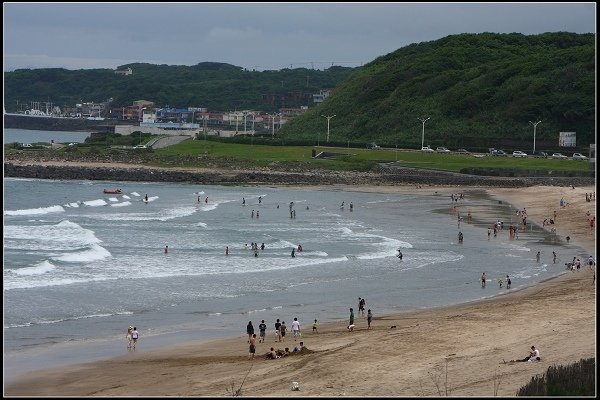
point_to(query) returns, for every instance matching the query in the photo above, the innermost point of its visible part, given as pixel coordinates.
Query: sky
(259, 36)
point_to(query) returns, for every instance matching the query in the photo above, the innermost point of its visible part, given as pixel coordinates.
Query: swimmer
(399, 254)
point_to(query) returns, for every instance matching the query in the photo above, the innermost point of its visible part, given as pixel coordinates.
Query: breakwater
(60, 124)
(401, 176)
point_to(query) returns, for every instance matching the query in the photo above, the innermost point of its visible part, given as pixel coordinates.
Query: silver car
(579, 156)
(559, 156)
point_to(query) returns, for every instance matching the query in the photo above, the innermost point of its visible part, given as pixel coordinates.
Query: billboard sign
(567, 139)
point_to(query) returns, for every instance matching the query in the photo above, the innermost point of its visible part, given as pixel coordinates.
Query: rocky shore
(135, 169)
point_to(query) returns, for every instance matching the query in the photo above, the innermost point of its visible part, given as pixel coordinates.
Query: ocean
(36, 136)
(80, 266)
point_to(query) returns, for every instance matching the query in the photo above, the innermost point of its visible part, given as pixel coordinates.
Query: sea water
(38, 136)
(80, 266)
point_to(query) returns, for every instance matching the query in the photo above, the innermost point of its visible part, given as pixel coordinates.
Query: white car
(559, 156)
(519, 153)
(427, 149)
(579, 156)
(140, 146)
(442, 150)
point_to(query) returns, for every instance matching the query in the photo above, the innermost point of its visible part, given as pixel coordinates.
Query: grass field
(365, 159)
(198, 153)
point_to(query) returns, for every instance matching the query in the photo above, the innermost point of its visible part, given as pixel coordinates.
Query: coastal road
(168, 141)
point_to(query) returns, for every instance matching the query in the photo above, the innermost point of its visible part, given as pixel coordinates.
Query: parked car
(499, 153)
(559, 156)
(372, 146)
(579, 156)
(540, 154)
(427, 149)
(462, 151)
(27, 145)
(519, 153)
(140, 146)
(442, 150)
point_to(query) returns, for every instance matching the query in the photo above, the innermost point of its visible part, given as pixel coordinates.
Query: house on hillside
(124, 72)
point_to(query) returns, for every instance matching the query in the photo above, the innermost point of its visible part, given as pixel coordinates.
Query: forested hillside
(216, 86)
(477, 89)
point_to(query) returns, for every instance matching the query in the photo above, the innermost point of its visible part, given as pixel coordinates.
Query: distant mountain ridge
(477, 89)
(216, 86)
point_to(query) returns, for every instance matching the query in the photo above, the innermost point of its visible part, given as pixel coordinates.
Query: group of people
(361, 312)
(132, 337)
(280, 331)
(274, 354)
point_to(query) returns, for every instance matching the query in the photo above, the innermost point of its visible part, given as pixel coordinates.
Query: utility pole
(535, 124)
(423, 120)
(328, 119)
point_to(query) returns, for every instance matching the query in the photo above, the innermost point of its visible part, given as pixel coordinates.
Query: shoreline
(403, 361)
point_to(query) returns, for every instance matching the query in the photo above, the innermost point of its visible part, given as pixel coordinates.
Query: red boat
(113, 191)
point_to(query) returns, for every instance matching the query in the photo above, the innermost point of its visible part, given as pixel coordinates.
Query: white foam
(74, 204)
(95, 203)
(123, 204)
(41, 268)
(126, 197)
(65, 235)
(36, 211)
(113, 199)
(94, 253)
(135, 194)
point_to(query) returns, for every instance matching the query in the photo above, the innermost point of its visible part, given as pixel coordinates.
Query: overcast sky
(257, 35)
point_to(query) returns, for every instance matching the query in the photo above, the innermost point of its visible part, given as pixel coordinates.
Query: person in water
(399, 254)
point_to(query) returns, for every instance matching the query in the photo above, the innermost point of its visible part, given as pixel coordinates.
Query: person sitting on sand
(299, 347)
(534, 355)
(272, 354)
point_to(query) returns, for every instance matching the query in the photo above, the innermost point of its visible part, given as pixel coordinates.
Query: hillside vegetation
(480, 90)
(216, 86)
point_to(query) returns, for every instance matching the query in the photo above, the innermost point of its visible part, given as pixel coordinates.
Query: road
(168, 141)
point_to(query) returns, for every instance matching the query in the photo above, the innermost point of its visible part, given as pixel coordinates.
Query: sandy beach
(457, 350)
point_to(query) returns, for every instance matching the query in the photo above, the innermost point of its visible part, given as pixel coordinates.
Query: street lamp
(423, 120)
(535, 124)
(245, 113)
(328, 119)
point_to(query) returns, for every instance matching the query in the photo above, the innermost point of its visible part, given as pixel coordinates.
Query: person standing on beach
(252, 347)
(554, 257)
(282, 329)
(262, 329)
(537, 257)
(249, 330)
(508, 282)
(278, 330)
(483, 280)
(128, 336)
(351, 319)
(296, 329)
(134, 337)
(369, 318)
(315, 327)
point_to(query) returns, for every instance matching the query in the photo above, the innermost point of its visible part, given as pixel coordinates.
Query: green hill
(480, 90)
(216, 86)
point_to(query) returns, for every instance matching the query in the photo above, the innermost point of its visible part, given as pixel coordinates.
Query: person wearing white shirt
(296, 328)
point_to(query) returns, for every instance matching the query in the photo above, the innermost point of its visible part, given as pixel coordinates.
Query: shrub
(577, 379)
